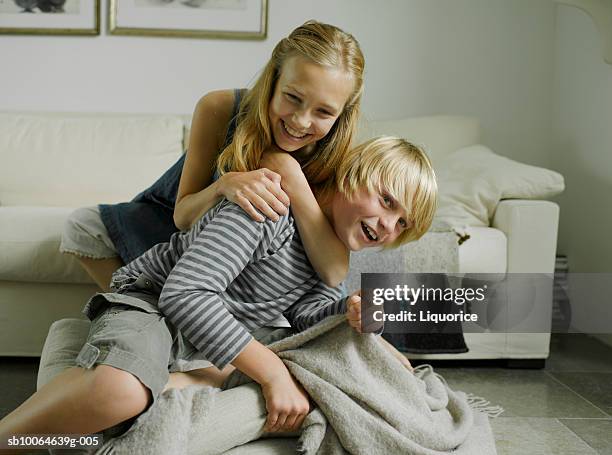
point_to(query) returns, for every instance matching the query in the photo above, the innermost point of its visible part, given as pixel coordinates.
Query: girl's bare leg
(101, 270)
(79, 401)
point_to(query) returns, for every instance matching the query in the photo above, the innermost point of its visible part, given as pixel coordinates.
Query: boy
(200, 296)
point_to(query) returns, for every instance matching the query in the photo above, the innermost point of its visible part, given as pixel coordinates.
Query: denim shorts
(129, 333)
(85, 235)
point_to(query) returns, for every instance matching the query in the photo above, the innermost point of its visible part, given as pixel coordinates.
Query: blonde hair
(324, 45)
(398, 167)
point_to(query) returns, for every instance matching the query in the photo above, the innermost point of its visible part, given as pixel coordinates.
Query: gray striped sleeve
(190, 297)
(320, 302)
(156, 262)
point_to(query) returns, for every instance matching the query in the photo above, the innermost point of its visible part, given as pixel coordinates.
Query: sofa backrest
(439, 135)
(79, 159)
(76, 160)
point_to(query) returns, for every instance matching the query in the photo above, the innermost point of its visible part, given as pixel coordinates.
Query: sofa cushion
(473, 180)
(29, 246)
(78, 160)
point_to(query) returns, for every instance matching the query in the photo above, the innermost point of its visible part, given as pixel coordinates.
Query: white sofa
(53, 163)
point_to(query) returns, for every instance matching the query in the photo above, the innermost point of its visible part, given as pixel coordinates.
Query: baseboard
(604, 338)
(527, 364)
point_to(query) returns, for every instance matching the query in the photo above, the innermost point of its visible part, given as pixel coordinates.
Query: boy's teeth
(371, 233)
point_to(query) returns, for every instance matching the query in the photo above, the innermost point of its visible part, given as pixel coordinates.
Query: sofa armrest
(531, 229)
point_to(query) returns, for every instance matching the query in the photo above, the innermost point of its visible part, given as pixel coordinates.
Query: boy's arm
(353, 316)
(190, 297)
(327, 254)
(320, 302)
(190, 300)
(286, 401)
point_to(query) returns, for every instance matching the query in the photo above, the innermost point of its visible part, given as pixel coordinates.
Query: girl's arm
(327, 254)
(196, 194)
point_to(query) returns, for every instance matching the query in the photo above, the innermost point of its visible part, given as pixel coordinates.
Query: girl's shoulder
(222, 101)
(214, 112)
(218, 102)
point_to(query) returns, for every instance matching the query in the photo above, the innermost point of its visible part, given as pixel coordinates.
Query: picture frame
(40, 17)
(218, 19)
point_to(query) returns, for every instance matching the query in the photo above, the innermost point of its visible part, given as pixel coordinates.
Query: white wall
(494, 59)
(582, 152)
(488, 58)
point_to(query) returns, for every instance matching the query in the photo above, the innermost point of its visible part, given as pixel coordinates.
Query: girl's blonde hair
(398, 167)
(324, 45)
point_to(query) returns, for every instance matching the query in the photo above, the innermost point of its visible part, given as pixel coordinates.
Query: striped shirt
(230, 275)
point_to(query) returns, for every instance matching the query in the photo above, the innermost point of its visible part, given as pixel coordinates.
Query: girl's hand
(256, 190)
(353, 310)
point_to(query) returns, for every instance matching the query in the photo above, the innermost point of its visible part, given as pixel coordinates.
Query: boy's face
(368, 219)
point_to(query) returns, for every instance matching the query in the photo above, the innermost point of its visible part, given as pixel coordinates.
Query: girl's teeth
(293, 132)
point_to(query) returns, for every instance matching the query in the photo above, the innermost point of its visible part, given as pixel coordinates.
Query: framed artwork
(50, 17)
(228, 19)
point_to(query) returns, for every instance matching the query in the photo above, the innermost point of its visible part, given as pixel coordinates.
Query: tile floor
(564, 409)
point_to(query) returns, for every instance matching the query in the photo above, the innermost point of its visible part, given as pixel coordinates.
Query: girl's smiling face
(367, 219)
(308, 98)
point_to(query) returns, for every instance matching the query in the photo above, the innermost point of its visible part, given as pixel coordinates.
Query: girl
(306, 102)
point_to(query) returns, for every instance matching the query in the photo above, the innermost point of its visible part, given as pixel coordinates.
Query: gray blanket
(367, 403)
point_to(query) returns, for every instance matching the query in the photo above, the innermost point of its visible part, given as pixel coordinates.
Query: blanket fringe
(476, 403)
(480, 404)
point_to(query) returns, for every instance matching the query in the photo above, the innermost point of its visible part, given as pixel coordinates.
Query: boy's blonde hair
(324, 45)
(401, 169)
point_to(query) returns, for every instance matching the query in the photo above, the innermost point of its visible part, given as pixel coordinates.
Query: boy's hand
(353, 310)
(287, 403)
